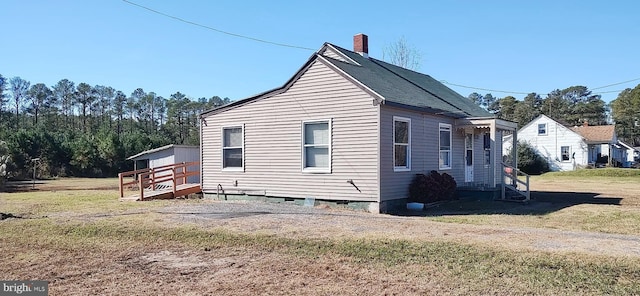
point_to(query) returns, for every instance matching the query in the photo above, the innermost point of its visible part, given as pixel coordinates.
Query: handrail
(512, 173)
(177, 173)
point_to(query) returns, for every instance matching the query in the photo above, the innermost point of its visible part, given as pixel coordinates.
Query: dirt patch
(299, 222)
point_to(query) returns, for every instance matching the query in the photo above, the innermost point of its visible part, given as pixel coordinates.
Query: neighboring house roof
(170, 146)
(391, 84)
(596, 133)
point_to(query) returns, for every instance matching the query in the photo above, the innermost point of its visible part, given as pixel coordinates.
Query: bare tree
(19, 88)
(39, 95)
(401, 54)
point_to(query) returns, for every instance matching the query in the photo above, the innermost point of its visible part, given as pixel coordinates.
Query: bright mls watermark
(24, 288)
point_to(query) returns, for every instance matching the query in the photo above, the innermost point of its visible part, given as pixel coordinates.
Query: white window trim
(222, 148)
(448, 126)
(546, 131)
(303, 155)
(393, 155)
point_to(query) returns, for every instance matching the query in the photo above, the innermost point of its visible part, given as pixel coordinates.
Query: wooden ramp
(164, 182)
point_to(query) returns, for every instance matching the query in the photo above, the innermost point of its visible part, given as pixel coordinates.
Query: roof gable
(331, 52)
(546, 118)
(394, 85)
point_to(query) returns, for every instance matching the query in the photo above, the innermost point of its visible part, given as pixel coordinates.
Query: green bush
(529, 161)
(432, 187)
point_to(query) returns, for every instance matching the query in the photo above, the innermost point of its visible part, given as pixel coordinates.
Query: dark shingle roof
(409, 88)
(398, 86)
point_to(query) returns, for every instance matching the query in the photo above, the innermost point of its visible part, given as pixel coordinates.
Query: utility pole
(35, 164)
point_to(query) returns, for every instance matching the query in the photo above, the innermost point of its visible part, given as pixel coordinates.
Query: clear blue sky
(522, 46)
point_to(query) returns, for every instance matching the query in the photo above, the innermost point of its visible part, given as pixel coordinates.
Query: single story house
(629, 153)
(349, 128)
(567, 148)
(167, 155)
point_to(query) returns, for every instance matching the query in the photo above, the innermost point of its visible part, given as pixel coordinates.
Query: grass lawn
(86, 242)
(581, 200)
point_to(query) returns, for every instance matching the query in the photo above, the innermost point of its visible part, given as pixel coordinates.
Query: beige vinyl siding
(424, 150)
(273, 141)
(498, 158)
(482, 172)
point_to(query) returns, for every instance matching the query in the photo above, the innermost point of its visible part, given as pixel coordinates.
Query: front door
(468, 156)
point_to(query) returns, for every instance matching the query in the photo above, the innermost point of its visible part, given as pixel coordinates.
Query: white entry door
(468, 157)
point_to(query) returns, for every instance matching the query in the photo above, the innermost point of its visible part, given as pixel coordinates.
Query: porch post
(514, 149)
(493, 146)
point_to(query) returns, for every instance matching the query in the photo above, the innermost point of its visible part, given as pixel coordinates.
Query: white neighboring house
(568, 148)
(629, 154)
(167, 155)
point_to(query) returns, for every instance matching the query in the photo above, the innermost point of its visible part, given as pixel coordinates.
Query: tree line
(89, 130)
(571, 106)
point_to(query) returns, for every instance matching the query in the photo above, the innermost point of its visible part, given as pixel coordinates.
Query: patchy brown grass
(85, 242)
(585, 203)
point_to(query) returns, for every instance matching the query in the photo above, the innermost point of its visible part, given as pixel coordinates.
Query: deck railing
(158, 177)
(512, 179)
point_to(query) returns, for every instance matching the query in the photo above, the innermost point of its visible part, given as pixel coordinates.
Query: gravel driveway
(320, 222)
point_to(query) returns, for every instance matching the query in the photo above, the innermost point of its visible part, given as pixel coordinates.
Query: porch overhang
(495, 128)
(491, 123)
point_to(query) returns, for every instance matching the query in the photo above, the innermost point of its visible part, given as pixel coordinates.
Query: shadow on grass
(541, 203)
(21, 186)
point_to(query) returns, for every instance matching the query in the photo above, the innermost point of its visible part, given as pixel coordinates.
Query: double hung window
(445, 147)
(401, 144)
(316, 146)
(233, 148)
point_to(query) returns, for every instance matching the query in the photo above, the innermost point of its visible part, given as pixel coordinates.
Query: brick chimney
(361, 44)
(585, 123)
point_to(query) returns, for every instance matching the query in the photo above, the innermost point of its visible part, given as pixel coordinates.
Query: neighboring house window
(401, 144)
(542, 129)
(565, 152)
(316, 146)
(233, 148)
(445, 146)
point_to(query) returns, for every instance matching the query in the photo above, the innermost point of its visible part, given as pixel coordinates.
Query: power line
(616, 84)
(217, 30)
(486, 89)
(307, 48)
(543, 94)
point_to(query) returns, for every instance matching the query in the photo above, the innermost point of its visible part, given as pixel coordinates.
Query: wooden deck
(181, 190)
(164, 182)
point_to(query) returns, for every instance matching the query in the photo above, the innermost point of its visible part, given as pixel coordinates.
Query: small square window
(542, 129)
